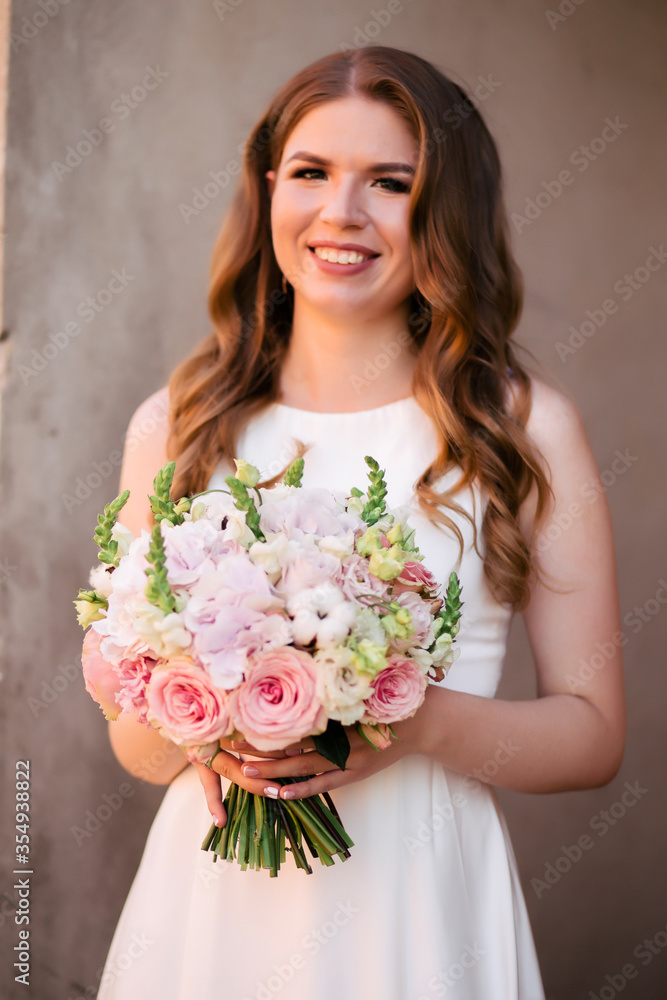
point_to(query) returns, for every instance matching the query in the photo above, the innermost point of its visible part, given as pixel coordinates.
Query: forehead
(354, 130)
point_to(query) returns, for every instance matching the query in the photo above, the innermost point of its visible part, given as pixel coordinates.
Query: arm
(140, 750)
(572, 735)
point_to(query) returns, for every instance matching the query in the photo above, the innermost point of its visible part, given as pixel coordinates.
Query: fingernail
(217, 821)
(239, 744)
(271, 791)
(250, 771)
(289, 793)
(292, 753)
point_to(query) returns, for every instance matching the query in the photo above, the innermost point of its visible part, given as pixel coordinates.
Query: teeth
(339, 256)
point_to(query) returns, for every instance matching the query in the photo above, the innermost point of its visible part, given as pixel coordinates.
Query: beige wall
(65, 407)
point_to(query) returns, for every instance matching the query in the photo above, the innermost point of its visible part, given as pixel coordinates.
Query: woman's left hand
(362, 761)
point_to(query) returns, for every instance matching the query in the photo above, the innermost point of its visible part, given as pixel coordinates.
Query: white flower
(422, 658)
(367, 625)
(273, 554)
(443, 654)
(340, 546)
(123, 536)
(339, 687)
(100, 580)
(165, 634)
(321, 612)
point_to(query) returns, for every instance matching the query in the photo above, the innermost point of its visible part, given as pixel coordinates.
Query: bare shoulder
(556, 430)
(144, 455)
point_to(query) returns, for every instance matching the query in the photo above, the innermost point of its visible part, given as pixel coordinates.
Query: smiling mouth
(341, 256)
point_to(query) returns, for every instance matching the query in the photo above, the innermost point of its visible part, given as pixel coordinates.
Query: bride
(363, 298)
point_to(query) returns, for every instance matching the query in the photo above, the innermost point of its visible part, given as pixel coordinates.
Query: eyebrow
(393, 168)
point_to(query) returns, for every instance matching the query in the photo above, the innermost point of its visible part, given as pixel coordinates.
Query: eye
(306, 171)
(394, 185)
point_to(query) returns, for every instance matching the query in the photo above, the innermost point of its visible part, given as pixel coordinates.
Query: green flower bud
(247, 473)
(369, 542)
(367, 657)
(387, 564)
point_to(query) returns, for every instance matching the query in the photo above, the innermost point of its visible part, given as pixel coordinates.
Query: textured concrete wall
(76, 375)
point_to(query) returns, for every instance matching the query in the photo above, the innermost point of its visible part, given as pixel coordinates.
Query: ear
(271, 178)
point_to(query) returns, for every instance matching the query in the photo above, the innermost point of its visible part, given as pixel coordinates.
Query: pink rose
(184, 703)
(415, 576)
(102, 681)
(398, 691)
(277, 704)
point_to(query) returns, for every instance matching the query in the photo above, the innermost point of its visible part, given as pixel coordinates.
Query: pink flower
(355, 580)
(415, 576)
(422, 622)
(278, 705)
(398, 691)
(184, 703)
(305, 511)
(310, 568)
(134, 674)
(102, 681)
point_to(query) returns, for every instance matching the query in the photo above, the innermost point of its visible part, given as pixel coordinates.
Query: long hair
(465, 306)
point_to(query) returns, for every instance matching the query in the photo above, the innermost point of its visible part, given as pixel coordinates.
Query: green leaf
(333, 744)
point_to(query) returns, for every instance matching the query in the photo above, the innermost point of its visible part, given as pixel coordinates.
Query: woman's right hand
(227, 764)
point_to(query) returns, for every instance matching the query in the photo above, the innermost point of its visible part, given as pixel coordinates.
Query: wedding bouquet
(266, 615)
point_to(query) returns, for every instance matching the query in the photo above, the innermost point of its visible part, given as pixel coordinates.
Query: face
(339, 208)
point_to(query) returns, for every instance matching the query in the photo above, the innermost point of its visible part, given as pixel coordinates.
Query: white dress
(429, 903)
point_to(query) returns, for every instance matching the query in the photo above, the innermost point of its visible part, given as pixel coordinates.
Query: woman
(363, 297)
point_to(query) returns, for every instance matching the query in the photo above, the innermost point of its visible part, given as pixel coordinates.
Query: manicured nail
(217, 821)
(271, 791)
(292, 753)
(250, 771)
(238, 744)
(289, 793)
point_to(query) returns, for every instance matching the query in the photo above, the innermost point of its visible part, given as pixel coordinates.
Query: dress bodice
(404, 441)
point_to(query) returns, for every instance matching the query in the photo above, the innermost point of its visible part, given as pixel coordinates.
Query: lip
(359, 247)
(344, 270)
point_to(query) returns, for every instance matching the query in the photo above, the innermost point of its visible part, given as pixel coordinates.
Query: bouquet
(266, 615)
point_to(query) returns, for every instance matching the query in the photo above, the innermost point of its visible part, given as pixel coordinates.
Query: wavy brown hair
(465, 306)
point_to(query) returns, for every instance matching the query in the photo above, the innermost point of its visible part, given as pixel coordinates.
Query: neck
(343, 364)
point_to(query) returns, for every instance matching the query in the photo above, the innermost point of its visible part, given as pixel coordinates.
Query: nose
(343, 204)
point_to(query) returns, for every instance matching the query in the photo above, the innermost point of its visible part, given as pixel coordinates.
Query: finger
(305, 763)
(230, 767)
(213, 792)
(315, 786)
(244, 747)
(296, 748)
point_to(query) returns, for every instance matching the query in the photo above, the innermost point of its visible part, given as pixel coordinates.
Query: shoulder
(554, 422)
(556, 431)
(145, 452)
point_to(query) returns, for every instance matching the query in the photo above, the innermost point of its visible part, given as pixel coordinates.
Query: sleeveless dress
(429, 904)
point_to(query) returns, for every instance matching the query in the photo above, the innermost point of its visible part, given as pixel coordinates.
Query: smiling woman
(354, 235)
